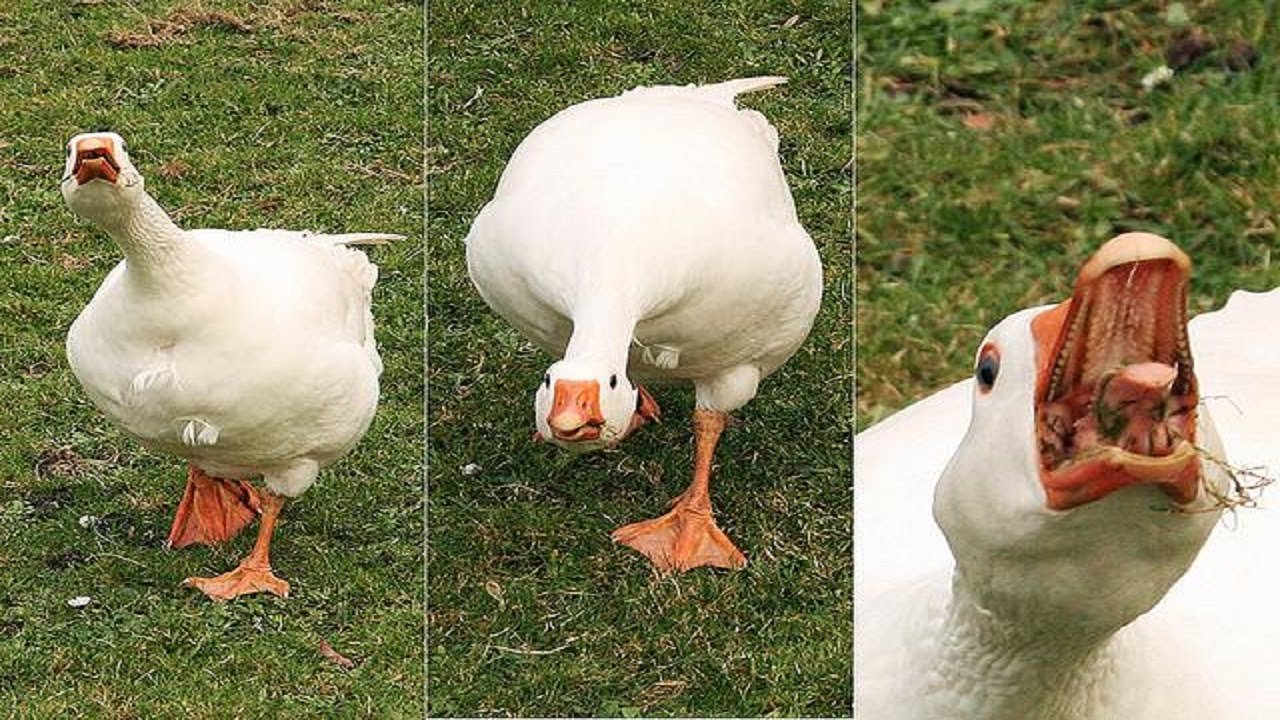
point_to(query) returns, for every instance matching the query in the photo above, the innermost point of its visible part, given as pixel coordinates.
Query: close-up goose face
(582, 407)
(98, 176)
(1108, 379)
(1083, 439)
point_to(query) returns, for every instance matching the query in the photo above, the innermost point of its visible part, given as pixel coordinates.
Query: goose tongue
(1132, 408)
(1116, 395)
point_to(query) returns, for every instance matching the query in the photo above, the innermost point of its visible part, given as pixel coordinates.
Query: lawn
(282, 114)
(532, 609)
(1000, 143)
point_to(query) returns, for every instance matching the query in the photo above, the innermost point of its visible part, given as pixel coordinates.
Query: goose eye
(988, 368)
(546, 380)
(68, 151)
(613, 381)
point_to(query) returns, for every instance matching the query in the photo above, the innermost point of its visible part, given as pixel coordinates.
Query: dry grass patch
(175, 28)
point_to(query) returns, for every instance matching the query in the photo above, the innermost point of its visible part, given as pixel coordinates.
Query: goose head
(1078, 495)
(584, 406)
(99, 181)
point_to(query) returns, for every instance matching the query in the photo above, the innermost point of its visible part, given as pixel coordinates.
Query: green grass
(309, 117)
(957, 228)
(519, 555)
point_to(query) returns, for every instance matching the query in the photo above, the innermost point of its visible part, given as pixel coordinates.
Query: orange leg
(213, 510)
(687, 536)
(254, 573)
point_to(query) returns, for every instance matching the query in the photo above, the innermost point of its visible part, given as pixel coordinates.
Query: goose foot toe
(246, 579)
(683, 539)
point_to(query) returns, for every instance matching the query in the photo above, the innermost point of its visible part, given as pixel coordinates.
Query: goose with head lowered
(1085, 567)
(248, 354)
(651, 238)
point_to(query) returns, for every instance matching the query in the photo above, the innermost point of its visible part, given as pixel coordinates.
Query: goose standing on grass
(1085, 568)
(647, 238)
(246, 353)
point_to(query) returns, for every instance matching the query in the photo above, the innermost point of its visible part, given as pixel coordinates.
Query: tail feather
(721, 93)
(733, 88)
(727, 91)
(327, 238)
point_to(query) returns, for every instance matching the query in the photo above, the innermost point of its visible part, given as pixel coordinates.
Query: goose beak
(95, 160)
(1116, 394)
(575, 411)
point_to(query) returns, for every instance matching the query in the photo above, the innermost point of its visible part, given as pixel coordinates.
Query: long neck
(157, 252)
(996, 667)
(604, 321)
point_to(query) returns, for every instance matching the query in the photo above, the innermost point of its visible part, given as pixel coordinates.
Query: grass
(284, 114)
(999, 143)
(532, 609)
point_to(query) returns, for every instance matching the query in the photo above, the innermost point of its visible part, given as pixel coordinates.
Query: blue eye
(988, 368)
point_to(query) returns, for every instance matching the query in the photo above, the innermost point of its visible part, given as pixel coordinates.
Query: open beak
(1116, 393)
(575, 411)
(95, 160)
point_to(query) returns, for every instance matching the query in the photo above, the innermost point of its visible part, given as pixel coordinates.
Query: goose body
(248, 354)
(934, 642)
(648, 237)
(663, 216)
(289, 312)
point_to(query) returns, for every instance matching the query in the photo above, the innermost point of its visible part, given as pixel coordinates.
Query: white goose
(246, 353)
(1072, 579)
(651, 237)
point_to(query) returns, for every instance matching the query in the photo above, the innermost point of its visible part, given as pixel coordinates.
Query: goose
(246, 353)
(1078, 562)
(651, 238)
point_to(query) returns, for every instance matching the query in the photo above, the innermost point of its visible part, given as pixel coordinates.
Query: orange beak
(575, 411)
(1116, 394)
(95, 160)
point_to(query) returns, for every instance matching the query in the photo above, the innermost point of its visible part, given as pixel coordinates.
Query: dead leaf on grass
(980, 122)
(337, 658)
(173, 169)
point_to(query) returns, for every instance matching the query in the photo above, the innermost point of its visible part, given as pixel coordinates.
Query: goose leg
(212, 510)
(687, 536)
(254, 573)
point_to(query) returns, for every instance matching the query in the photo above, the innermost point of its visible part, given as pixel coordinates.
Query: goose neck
(603, 326)
(156, 250)
(1007, 665)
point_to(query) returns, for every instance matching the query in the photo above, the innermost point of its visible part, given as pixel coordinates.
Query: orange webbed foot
(687, 536)
(683, 539)
(246, 579)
